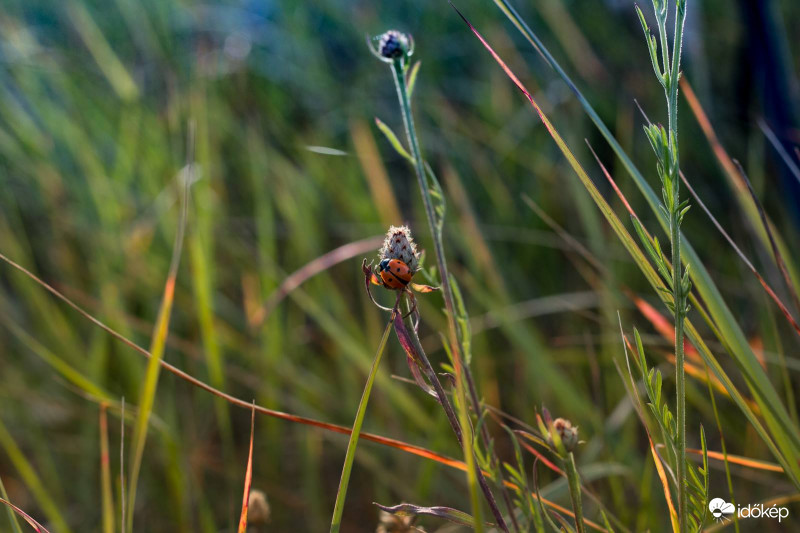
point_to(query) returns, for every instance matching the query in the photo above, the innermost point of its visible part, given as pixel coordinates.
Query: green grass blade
(341, 495)
(148, 390)
(101, 50)
(32, 480)
(12, 517)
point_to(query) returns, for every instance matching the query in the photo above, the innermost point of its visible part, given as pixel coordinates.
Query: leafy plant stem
(463, 374)
(678, 287)
(680, 375)
(338, 508)
(575, 491)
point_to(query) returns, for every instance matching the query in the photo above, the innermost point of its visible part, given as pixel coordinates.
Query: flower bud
(567, 433)
(393, 44)
(399, 245)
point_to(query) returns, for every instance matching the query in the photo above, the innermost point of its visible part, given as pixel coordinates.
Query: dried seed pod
(400, 245)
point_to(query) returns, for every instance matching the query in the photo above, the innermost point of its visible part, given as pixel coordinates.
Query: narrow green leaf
(352, 444)
(393, 140)
(158, 343)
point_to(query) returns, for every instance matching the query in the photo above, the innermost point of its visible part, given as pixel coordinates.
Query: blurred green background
(96, 99)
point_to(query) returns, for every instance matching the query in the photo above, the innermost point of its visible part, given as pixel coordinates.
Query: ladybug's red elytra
(395, 274)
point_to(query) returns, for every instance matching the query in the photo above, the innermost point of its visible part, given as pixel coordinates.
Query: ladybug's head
(384, 265)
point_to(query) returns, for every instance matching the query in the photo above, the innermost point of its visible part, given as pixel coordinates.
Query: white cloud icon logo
(720, 508)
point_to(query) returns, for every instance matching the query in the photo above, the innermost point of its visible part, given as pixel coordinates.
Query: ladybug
(395, 274)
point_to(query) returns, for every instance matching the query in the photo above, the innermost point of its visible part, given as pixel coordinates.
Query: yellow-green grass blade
(59, 365)
(107, 496)
(158, 343)
(12, 517)
(101, 51)
(350, 455)
(32, 480)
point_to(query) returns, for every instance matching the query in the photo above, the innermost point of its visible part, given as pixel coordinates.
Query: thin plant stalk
(338, 507)
(463, 374)
(575, 491)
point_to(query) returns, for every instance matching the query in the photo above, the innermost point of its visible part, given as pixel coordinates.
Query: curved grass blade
(12, 517)
(32, 481)
(320, 264)
(39, 528)
(393, 140)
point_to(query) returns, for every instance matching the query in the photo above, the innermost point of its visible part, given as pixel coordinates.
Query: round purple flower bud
(393, 44)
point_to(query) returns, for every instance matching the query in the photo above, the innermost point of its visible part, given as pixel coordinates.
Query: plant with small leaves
(697, 477)
(664, 142)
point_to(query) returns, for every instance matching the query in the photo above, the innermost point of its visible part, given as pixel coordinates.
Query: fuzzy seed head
(399, 245)
(390, 523)
(567, 432)
(393, 44)
(258, 511)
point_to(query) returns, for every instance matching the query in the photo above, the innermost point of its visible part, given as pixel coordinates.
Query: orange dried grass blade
(739, 460)
(662, 475)
(248, 477)
(39, 528)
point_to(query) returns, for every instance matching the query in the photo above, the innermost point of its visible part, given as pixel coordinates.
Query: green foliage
(95, 103)
(697, 477)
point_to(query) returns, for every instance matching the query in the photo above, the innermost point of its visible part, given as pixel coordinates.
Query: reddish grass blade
(248, 476)
(770, 234)
(39, 528)
(320, 264)
(778, 257)
(739, 181)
